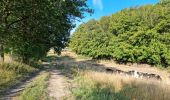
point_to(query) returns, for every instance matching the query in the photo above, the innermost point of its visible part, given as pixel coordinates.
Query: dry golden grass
(111, 63)
(98, 86)
(94, 84)
(37, 89)
(12, 73)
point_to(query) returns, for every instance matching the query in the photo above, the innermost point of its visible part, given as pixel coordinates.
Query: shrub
(136, 35)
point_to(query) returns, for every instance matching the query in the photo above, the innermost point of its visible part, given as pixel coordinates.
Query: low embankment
(12, 74)
(37, 89)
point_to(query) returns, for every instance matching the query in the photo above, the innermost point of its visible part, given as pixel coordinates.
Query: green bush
(136, 35)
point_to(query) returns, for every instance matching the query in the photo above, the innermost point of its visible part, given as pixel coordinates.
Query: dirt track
(58, 85)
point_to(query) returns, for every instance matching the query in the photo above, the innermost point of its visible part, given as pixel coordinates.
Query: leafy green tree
(31, 27)
(136, 35)
(90, 39)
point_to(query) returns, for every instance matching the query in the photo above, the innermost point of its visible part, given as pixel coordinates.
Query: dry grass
(8, 58)
(37, 90)
(103, 86)
(92, 85)
(164, 73)
(13, 73)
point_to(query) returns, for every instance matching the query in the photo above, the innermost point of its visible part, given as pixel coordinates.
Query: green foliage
(137, 35)
(93, 41)
(30, 28)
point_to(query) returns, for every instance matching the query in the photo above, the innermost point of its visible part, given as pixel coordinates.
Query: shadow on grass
(70, 67)
(90, 88)
(56, 58)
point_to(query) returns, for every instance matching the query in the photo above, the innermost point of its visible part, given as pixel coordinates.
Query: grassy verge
(13, 73)
(37, 89)
(102, 86)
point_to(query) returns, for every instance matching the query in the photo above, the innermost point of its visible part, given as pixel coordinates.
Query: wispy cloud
(98, 3)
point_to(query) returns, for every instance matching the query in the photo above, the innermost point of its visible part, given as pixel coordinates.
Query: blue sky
(109, 7)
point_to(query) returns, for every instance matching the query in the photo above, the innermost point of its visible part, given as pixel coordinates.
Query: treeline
(29, 28)
(136, 35)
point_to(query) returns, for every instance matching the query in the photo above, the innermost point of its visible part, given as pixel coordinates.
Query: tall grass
(37, 89)
(13, 73)
(102, 86)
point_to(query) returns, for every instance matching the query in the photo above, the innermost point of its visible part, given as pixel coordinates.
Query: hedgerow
(136, 35)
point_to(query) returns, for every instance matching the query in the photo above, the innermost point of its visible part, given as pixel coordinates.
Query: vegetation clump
(37, 89)
(29, 29)
(136, 35)
(13, 73)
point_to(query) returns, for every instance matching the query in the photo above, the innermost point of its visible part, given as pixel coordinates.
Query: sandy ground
(58, 85)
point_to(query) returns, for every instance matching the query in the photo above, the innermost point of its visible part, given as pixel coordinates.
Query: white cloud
(98, 3)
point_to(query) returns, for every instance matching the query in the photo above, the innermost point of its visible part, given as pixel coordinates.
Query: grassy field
(102, 86)
(96, 85)
(13, 73)
(37, 90)
(93, 85)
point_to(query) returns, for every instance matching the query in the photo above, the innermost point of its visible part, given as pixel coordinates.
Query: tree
(136, 35)
(37, 26)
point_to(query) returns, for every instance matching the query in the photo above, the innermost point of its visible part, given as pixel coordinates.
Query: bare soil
(58, 85)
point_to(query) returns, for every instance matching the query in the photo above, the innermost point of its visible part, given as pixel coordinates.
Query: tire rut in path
(58, 85)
